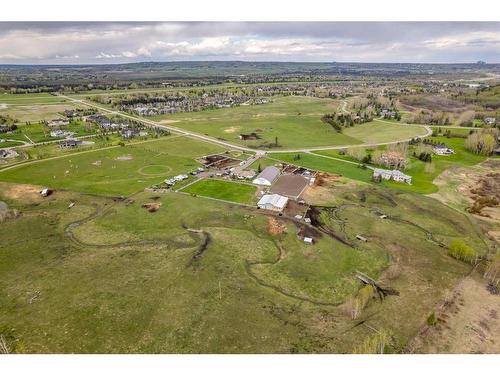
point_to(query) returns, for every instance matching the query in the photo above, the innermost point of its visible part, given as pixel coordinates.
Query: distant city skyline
(127, 42)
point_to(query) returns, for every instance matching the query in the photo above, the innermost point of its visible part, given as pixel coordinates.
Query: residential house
(490, 120)
(70, 143)
(442, 150)
(393, 175)
(58, 122)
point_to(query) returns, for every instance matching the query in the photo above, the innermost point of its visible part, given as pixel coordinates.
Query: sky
(111, 42)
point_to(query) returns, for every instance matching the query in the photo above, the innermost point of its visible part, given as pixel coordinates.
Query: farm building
(394, 175)
(273, 202)
(267, 176)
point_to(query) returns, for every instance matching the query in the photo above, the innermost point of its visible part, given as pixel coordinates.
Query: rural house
(393, 175)
(267, 176)
(273, 202)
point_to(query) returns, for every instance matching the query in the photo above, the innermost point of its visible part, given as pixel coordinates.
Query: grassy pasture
(225, 190)
(41, 133)
(377, 132)
(30, 99)
(115, 170)
(319, 163)
(125, 281)
(36, 112)
(296, 121)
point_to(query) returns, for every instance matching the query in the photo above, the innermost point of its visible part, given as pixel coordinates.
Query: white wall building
(393, 175)
(273, 202)
(267, 176)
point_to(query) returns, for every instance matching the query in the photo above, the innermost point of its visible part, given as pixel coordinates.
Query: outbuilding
(273, 202)
(267, 176)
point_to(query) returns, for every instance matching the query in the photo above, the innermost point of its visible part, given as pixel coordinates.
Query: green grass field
(378, 132)
(225, 190)
(29, 99)
(296, 121)
(116, 170)
(41, 133)
(111, 277)
(326, 165)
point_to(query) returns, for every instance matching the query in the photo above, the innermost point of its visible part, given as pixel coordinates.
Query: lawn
(115, 170)
(225, 190)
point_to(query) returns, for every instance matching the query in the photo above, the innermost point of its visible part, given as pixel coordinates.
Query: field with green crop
(224, 190)
(115, 170)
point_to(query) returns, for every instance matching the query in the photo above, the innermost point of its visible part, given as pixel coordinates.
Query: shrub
(432, 320)
(459, 250)
(375, 344)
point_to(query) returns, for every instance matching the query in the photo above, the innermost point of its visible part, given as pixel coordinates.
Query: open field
(295, 121)
(326, 165)
(40, 133)
(36, 112)
(29, 99)
(109, 276)
(224, 190)
(378, 132)
(116, 170)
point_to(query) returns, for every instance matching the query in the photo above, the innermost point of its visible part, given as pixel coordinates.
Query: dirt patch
(275, 226)
(290, 185)
(232, 129)
(168, 121)
(124, 158)
(152, 206)
(27, 193)
(468, 322)
(3, 106)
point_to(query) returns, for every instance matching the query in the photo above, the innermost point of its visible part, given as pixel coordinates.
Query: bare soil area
(468, 322)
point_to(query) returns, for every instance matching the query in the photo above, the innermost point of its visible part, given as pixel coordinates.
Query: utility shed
(267, 176)
(273, 202)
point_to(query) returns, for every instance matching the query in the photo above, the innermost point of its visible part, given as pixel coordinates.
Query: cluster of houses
(391, 174)
(161, 105)
(105, 123)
